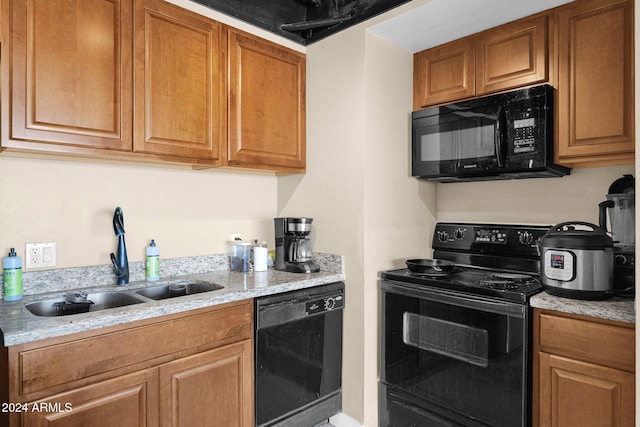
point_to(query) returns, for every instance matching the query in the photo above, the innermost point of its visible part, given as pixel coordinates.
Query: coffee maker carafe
(621, 207)
(293, 245)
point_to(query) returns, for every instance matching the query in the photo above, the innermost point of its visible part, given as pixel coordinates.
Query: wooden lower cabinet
(212, 389)
(208, 389)
(584, 371)
(575, 393)
(130, 400)
(181, 370)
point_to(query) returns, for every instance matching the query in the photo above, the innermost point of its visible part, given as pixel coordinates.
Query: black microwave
(503, 136)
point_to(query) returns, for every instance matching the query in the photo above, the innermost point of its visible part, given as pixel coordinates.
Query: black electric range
(492, 260)
(456, 345)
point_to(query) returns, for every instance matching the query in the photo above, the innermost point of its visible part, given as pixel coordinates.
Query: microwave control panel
(524, 135)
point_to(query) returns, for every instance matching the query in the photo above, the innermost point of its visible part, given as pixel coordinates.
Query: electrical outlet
(40, 255)
(235, 236)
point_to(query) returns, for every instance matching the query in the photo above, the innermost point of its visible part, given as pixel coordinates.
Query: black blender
(620, 206)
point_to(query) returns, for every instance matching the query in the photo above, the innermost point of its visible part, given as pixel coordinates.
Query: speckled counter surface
(19, 326)
(612, 309)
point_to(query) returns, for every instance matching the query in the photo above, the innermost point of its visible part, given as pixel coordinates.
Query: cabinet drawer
(74, 362)
(604, 344)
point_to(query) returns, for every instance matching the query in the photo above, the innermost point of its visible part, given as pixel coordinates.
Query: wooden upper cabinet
(505, 57)
(444, 73)
(266, 104)
(148, 80)
(70, 74)
(595, 116)
(512, 55)
(180, 94)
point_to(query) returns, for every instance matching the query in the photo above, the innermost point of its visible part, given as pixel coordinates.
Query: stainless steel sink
(178, 289)
(94, 302)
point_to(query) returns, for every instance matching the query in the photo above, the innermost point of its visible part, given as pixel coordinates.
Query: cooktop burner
(501, 285)
(500, 261)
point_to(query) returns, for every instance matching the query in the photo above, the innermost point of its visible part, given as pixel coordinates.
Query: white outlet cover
(40, 255)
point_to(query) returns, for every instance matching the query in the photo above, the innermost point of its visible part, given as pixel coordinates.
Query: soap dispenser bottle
(12, 276)
(153, 262)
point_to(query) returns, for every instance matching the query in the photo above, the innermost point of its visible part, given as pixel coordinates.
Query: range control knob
(525, 237)
(459, 233)
(443, 236)
(329, 304)
(622, 259)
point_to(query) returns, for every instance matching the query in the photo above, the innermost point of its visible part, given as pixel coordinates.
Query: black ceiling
(303, 21)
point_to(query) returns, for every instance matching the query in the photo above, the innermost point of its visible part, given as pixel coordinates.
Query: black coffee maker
(293, 245)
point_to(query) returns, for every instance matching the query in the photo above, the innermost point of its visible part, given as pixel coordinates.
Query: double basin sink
(76, 303)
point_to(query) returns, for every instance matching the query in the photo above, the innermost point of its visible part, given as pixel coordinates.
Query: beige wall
(357, 187)
(332, 190)
(71, 203)
(533, 201)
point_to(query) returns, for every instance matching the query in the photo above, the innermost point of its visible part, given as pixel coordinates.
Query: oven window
(464, 360)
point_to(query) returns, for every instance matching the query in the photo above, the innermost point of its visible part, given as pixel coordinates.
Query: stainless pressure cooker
(576, 261)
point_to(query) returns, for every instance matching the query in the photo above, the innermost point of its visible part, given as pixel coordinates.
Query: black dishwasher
(298, 356)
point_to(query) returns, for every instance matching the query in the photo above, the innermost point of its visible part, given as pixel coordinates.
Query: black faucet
(120, 262)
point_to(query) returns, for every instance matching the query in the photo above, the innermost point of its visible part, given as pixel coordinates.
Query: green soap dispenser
(153, 262)
(12, 277)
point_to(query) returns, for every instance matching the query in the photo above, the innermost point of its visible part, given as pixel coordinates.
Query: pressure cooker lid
(626, 184)
(566, 235)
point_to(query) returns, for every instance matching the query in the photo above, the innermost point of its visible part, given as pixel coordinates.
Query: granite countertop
(620, 309)
(19, 326)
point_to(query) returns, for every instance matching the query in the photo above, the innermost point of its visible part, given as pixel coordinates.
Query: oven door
(451, 356)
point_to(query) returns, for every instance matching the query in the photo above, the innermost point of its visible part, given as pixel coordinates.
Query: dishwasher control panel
(325, 304)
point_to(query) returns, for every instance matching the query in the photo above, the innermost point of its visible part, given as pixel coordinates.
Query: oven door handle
(449, 297)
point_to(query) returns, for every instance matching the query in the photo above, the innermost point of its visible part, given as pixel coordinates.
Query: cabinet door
(443, 74)
(512, 55)
(127, 401)
(581, 394)
(70, 75)
(180, 90)
(213, 389)
(267, 122)
(595, 82)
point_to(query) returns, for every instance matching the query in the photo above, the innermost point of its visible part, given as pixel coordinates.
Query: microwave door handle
(499, 139)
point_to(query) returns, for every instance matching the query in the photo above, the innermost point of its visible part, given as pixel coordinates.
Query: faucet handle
(115, 263)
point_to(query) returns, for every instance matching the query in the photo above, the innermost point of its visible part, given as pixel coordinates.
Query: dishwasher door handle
(279, 309)
(281, 313)
(278, 314)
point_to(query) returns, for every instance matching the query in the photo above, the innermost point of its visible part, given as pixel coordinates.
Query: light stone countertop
(620, 309)
(19, 326)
